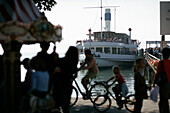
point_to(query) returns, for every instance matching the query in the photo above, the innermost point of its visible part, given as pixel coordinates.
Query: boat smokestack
(107, 19)
(130, 36)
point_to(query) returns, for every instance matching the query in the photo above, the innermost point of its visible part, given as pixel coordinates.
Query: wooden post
(162, 45)
(11, 76)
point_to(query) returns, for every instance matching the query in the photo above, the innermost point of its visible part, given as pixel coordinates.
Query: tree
(45, 5)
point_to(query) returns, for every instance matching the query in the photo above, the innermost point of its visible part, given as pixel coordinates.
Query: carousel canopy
(19, 10)
(21, 20)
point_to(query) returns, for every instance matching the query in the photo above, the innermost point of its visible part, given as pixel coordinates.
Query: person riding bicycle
(91, 66)
(121, 89)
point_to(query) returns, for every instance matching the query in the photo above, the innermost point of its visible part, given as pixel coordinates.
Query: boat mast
(101, 7)
(101, 20)
(115, 19)
(115, 9)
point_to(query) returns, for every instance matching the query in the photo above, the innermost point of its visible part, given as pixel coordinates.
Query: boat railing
(115, 41)
(152, 61)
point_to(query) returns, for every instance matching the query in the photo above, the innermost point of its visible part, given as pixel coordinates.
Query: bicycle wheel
(74, 97)
(102, 103)
(96, 90)
(130, 102)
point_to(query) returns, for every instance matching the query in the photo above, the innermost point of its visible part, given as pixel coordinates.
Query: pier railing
(152, 61)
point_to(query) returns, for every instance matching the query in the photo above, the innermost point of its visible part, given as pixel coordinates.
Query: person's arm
(90, 64)
(136, 85)
(157, 72)
(33, 83)
(110, 79)
(83, 65)
(117, 77)
(75, 71)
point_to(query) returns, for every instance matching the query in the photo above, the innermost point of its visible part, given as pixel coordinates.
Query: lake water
(105, 74)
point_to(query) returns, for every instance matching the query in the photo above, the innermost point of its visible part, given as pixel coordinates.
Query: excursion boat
(110, 48)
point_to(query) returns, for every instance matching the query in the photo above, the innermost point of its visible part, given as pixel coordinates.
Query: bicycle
(102, 103)
(92, 93)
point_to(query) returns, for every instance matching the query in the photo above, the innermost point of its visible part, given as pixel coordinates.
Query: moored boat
(110, 48)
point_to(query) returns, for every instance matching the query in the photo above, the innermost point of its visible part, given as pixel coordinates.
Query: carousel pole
(11, 75)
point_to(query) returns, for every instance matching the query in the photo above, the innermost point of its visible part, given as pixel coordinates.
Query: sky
(143, 16)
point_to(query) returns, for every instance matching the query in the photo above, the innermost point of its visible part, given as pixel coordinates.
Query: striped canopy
(21, 20)
(18, 10)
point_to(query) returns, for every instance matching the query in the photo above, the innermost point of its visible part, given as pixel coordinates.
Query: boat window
(114, 51)
(86, 48)
(119, 50)
(132, 51)
(124, 51)
(107, 50)
(127, 52)
(98, 49)
(92, 49)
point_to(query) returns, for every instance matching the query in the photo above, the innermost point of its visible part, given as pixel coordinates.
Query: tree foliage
(45, 5)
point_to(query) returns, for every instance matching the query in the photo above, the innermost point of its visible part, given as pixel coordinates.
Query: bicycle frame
(107, 88)
(78, 87)
(109, 92)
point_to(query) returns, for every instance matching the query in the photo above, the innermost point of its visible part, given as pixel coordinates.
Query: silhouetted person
(92, 70)
(140, 85)
(44, 55)
(28, 76)
(165, 89)
(54, 57)
(48, 60)
(65, 72)
(40, 78)
(151, 51)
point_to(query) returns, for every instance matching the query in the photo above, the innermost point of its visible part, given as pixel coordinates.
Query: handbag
(162, 77)
(154, 94)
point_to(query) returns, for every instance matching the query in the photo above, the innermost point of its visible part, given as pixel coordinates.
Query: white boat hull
(110, 63)
(109, 60)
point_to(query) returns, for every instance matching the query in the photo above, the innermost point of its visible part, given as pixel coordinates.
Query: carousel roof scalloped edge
(33, 32)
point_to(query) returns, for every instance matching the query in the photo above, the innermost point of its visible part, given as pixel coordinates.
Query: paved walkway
(85, 106)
